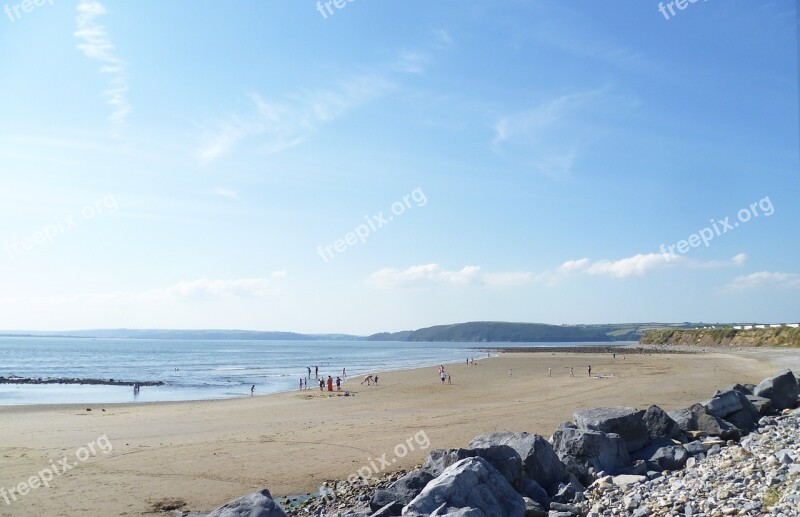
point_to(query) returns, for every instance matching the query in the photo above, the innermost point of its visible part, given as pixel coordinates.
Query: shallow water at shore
(206, 370)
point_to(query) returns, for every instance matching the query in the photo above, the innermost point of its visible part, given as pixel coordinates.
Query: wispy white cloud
(409, 62)
(443, 38)
(428, 275)
(223, 192)
(640, 264)
(545, 138)
(765, 279)
(96, 44)
(202, 289)
(275, 125)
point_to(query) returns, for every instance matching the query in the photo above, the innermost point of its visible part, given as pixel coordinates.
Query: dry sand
(206, 453)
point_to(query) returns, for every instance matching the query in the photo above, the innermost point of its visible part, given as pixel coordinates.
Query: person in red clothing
(330, 383)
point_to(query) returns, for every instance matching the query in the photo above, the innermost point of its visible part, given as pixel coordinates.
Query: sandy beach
(206, 453)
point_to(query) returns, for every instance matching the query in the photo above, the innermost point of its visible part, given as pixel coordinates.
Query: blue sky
(278, 165)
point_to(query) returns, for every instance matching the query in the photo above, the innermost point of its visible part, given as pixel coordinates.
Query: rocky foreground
(737, 453)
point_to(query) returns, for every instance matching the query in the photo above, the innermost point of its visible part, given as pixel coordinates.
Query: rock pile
(737, 453)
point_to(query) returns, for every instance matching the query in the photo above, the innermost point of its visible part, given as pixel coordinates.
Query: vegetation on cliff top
(785, 337)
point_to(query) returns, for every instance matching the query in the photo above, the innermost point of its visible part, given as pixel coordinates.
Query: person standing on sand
(443, 375)
(338, 384)
(449, 379)
(549, 372)
(252, 389)
(590, 370)
(571, 372)
(330, 383)
(322, 385)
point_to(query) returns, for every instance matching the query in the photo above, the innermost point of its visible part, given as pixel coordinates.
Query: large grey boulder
(539, 460)
(763, 405)
(502, 457)
(601, 451)
(469, 488)
(696, 419)
(660, 425)
(401, 492)
(626, 422)
(723, 403)
(781, 389)
(258, 504)
(733, 406)
(745, 389)
(664, 454)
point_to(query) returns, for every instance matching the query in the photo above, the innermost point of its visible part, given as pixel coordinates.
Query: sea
(206, 369)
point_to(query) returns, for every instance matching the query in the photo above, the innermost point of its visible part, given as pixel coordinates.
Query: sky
(367, 166)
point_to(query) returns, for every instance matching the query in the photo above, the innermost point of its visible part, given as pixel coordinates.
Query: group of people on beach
(322, 380)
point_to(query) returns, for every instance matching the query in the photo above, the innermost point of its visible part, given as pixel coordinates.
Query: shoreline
(631, 348)
(494, 350)
(216, 450)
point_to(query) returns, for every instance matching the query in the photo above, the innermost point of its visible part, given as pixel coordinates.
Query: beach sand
(206, 453)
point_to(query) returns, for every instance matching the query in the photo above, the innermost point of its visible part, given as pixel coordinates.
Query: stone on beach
(257, 504)
(604, 452)
(401, 492)
(733, 406)
(539, 460)
(502, 457)
(626, 422)
(695, 419)
(781, 388)
(659, 424)
(469, 488)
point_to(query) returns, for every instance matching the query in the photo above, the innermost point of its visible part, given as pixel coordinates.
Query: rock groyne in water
(72, 380)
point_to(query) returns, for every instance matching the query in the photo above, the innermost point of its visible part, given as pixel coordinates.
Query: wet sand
(205, 453)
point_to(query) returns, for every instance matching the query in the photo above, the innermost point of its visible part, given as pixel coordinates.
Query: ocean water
(200, 369)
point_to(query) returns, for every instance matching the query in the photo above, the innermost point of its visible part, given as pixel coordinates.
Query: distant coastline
(471, 332)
